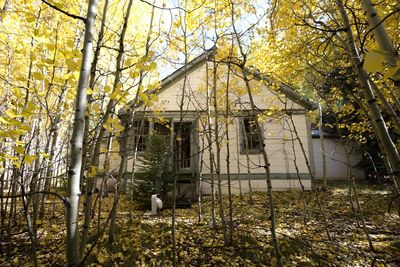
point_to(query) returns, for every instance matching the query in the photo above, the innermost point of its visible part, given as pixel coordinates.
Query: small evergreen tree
(154, 176)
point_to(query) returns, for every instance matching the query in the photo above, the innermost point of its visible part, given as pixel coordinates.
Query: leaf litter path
(146, 241)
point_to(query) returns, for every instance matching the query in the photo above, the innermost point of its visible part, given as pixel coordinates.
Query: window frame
(254, 144)
(137, 132)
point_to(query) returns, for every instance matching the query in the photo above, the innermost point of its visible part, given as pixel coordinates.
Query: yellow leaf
(18, 92)
(150, 67)
(19, 149)
(127, 63)
(49, 236)
(70, 43)
(76, 53)
(115, 95)
(49, 61)
(100, 258)
(19, 143)
(38, 76)
(45, 155)
(2, 120)
(14, 134)
(392, 72)
(144, 98)
(139, 65)
(30, 18)
(29, 158)
(150, 53)
(108, 125)
(21, 78)
(31, 107)
(11, 113)
(89, 91)
(133, 74)
(373, 61)
(51, 47)
(71, 64)
(25, 127)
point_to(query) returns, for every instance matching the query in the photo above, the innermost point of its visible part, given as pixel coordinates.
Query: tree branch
(173, 8)
(307, 24)
(382, 20)
(64, 12)
(64, 199)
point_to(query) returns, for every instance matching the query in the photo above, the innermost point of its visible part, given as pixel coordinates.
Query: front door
(183, 144)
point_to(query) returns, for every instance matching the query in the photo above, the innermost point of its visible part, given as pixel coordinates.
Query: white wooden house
(337, 163)
(281, 111)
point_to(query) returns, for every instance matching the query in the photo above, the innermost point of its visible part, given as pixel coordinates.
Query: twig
(377, 25)
(64, 199)
(64, 12)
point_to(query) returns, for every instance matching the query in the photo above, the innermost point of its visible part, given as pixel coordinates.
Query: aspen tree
(177, 137)
(110, 107)
(389, 148)
(380, 33)
(88, 197)
(72, 207)
(218, 149)
(321, 138)
(210, 150)
(228, 161)
(242, 66)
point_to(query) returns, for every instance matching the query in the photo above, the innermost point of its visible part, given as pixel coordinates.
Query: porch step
(184, 205)
(184, 194)
(185, 178)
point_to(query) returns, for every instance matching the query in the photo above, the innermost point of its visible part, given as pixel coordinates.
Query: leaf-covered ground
(146, 241)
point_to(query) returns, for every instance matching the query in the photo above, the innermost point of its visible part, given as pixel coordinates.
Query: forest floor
(303, 238)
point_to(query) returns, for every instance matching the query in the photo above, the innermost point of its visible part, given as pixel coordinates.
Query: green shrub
(154, 176)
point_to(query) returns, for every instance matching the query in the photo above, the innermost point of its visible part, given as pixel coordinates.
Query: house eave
(287, 91)
(179, 73)
(290, 93)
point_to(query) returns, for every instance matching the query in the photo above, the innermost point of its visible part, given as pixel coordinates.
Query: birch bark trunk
(72, 207)
(85, 148)
(389, 148)
(380, 34)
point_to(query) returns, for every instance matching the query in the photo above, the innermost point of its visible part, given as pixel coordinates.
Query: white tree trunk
(321, 138)
(379, 31)
(389, 148)
(72, 207)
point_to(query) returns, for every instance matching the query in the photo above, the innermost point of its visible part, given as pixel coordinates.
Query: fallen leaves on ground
(146, 240)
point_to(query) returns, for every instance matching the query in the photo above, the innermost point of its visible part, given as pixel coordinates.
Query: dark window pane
(138, 135)
(250, 139)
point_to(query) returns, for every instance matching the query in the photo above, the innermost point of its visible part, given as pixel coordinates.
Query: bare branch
(173, 8)
(64, 12)
(383, 20)
(63, 199)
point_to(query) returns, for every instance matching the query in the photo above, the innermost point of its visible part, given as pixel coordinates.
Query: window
(139, 134)
(250, 139)
(163, 129)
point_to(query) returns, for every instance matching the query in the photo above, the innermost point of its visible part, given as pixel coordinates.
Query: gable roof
(190, 66)
(289, 92)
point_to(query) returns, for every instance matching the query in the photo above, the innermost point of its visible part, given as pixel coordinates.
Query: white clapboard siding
(279, 150)
(282, 146)
(195, 92)
(336, 159)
